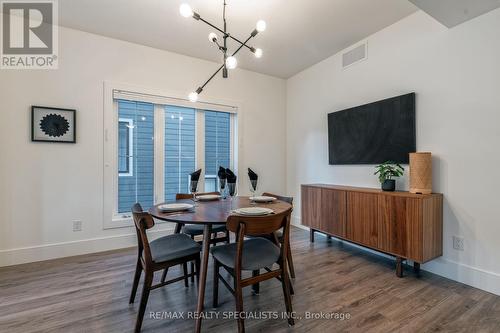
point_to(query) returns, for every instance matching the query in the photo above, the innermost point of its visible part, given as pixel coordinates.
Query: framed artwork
(53, 124)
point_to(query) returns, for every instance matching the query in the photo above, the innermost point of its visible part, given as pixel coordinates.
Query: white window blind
(156, 99)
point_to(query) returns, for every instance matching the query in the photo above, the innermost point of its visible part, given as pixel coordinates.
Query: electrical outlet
(458, 243)
(77, 225)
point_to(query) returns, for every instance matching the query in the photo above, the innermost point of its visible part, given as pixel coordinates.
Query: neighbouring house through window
(159, 145)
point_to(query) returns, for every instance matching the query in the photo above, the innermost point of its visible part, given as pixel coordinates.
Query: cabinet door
(333, 212)
(311, 206)
(362, 226)
(398, 224)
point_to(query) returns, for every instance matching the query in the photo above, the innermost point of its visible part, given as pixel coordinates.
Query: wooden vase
(421, 173)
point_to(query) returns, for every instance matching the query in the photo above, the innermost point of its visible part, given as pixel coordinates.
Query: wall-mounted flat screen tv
(373, 133)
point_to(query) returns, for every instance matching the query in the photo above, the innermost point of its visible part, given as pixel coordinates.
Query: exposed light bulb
(185, 10)
(143, 118)
(181, 118)
(193, 97)
(212, 37)
(172, 116)
(258, 53)
(261, 25)
(231, 62)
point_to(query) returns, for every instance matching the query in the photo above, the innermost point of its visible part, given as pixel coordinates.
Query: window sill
(127, 222)
(118, 222)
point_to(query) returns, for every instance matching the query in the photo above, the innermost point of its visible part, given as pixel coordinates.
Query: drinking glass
(253, 189)
(222, 188)
(194, 188)
(231, 188)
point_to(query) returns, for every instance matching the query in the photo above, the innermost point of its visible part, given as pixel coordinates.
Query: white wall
(44, 187)
(456, 75)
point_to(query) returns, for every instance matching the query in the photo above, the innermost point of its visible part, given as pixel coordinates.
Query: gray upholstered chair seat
(257, 253)
(197, 229)
(173, 247)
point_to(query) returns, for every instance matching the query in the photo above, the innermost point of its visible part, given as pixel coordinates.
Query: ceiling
(453, 12)
(299, 33)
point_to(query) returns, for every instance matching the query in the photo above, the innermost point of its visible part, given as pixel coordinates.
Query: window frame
(130, 156)
(231, 147)
(111, 218)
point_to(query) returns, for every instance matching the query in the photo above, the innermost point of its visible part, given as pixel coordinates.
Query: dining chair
(253, 254)
(159, 254)
(279, 233)
(194, 230)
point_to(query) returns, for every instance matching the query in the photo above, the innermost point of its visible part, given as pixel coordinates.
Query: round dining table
(209, 213)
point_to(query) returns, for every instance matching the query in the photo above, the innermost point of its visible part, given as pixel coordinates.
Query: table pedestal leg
(207, 231)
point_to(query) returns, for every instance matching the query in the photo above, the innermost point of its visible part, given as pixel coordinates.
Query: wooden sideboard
(402, 224)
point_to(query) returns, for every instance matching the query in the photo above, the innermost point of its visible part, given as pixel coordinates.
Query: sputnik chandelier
(229, 60)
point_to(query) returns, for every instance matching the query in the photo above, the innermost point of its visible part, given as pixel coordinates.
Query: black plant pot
(389, 185)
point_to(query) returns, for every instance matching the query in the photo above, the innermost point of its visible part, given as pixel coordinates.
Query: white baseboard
(472, 276)
(460, 272)
(73, 248)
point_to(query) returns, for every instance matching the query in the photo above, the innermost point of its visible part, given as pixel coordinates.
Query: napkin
(253, 178)
(252, 175)
(195, 176)
(231, 177)
(222, 173)
(222, 178)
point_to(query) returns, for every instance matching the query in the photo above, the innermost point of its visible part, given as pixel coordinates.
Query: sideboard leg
(311, 235)
(399, 267)
(416, 268)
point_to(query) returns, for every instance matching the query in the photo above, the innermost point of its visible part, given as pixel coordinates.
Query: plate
(253, 211)
(175, 207)
(208, 197)
(262, 198)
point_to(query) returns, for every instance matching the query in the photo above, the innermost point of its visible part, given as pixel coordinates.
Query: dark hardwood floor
(90, 294)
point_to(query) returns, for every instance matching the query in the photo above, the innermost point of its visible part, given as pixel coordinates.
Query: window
(138, 159)
(156, 143)
(180, 159)
(125, 144)
(217, 146)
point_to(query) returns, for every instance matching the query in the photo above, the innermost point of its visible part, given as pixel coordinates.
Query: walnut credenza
(402, 224)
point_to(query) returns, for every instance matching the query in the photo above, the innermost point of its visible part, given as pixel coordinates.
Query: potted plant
(386, 172)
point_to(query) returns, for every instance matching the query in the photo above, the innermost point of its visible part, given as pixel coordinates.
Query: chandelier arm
(222, 66)
(211, 77)
(244, 44)
(220, 47)
(213, 26)
(224, 33)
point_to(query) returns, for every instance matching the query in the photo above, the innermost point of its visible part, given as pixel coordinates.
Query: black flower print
(54, 125)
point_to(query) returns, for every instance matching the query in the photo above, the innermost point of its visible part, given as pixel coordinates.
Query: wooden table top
(214, 212)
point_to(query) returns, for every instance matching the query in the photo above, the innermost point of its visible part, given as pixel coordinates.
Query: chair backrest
(279, 197)
(258, 225)
(181, 196)
(142, 221)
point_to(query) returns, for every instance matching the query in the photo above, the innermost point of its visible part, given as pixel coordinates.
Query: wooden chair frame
(255, 226)
(289, 251)
(144, 221)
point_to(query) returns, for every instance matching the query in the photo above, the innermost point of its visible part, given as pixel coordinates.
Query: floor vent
(355, 55)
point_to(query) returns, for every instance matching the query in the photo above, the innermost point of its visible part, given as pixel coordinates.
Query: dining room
(249, 166)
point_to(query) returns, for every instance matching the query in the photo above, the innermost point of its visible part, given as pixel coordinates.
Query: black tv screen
(373, 133)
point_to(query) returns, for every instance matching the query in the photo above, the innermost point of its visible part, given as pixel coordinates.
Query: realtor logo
(29, 34)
